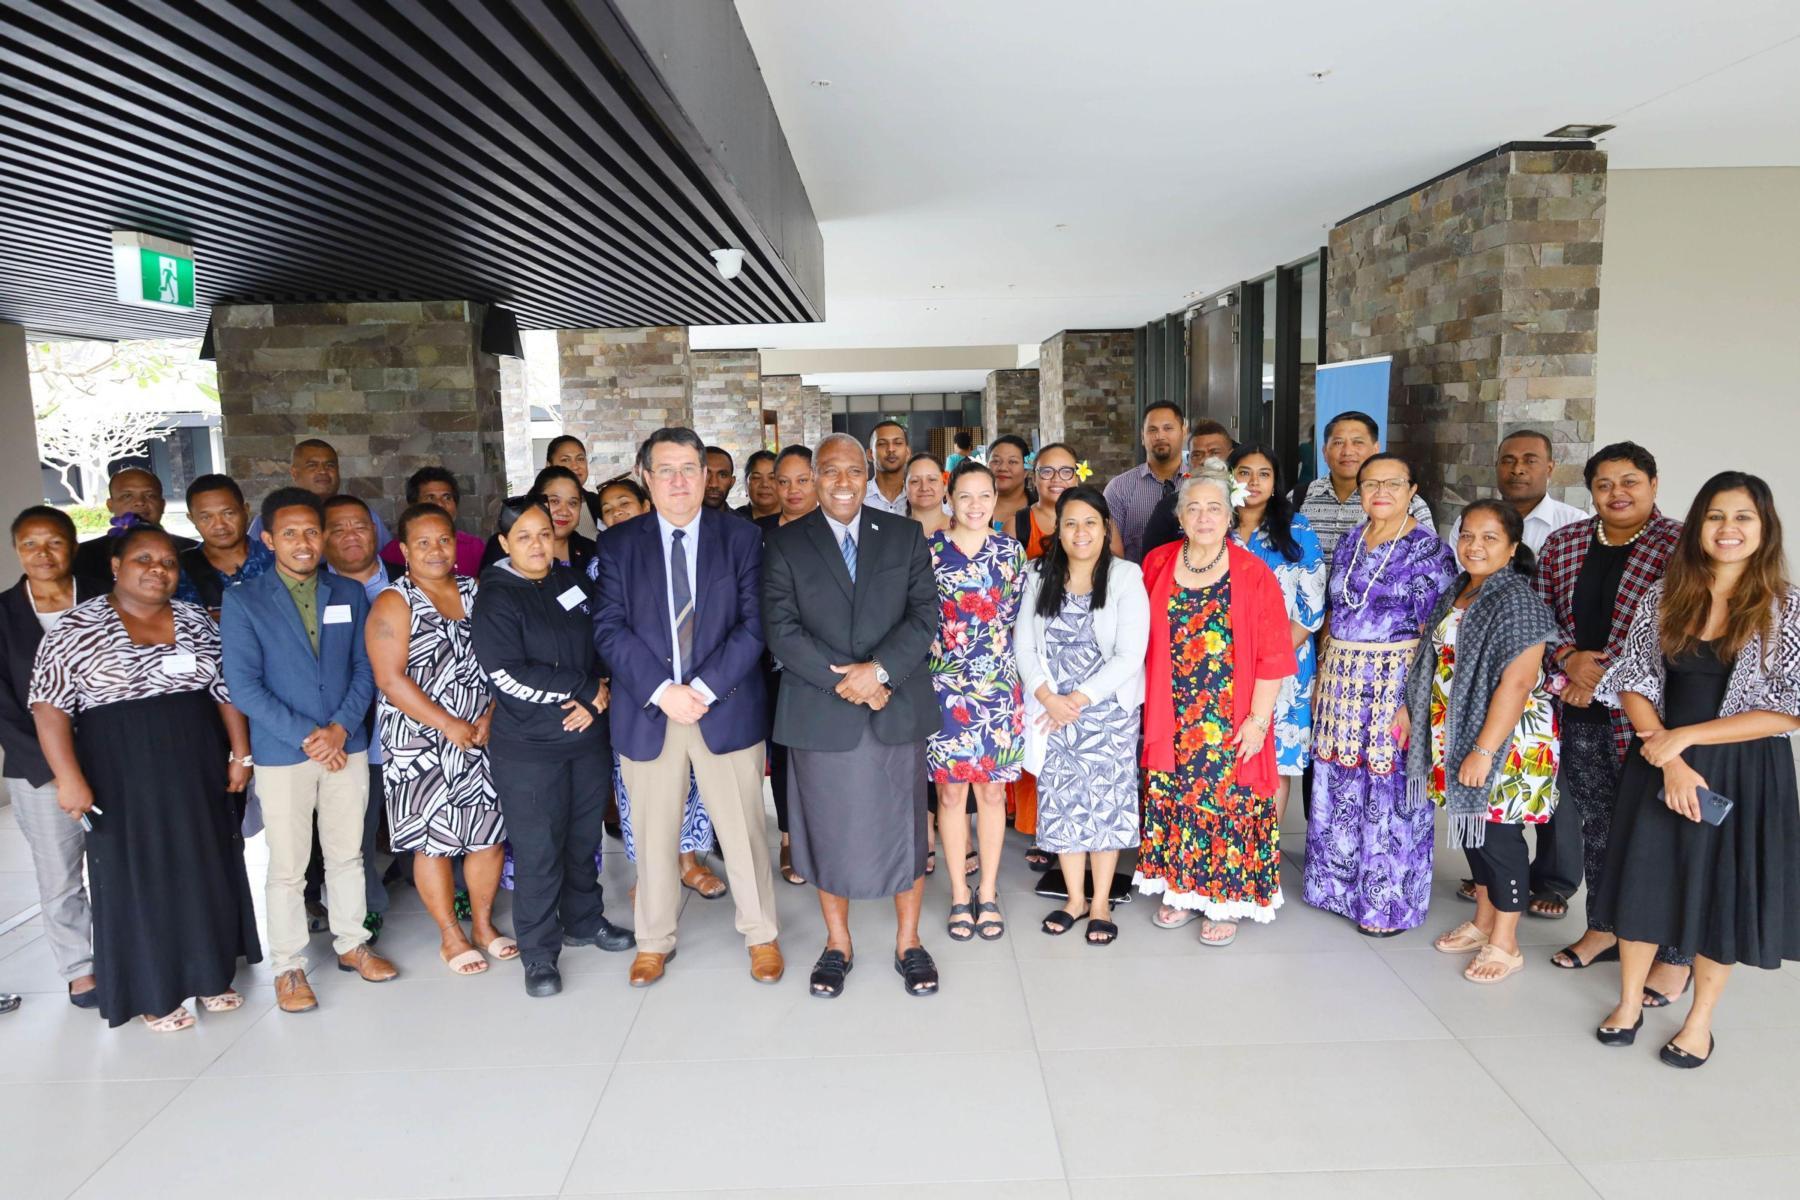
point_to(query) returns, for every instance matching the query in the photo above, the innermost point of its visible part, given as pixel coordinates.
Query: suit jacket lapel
(649, 546)
(869, 536)
(825, 544)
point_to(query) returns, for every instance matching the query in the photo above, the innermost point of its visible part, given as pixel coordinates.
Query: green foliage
(89, 521)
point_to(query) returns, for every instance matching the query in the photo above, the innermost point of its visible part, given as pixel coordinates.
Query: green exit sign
(153, 272)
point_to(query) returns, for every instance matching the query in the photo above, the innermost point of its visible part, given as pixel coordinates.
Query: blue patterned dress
(973, 670)
(1303, 589)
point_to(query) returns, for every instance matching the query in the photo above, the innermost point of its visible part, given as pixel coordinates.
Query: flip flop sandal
(1182, 917)
(1655, 999)
(1209, 926)
(1547, 898)
(1461, 940)
(175, 1022)
(225, 1001)
(1466, 891)
(1490, 953)
(1058, 922)
(971, 864)
(700, 881)
(468, 958)
(1101, 933)
(961, 926)
(787, 868)
(828, 973)
(918, 971)
(502, 948)
(1575, 963)
(989, 931)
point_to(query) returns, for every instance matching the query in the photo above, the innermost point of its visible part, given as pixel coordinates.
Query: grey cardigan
(1122, 629)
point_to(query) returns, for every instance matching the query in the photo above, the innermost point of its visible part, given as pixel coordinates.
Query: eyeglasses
(1371, 487)
(689, 472)
(1066, 474)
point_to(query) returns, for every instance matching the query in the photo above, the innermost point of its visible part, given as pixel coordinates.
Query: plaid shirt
(1559, 566)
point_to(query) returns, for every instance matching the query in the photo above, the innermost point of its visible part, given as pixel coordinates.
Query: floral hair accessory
(1083, 472)
(1240, 495)
(122, 523)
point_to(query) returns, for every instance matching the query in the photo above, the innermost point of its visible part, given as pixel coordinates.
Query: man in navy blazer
(679, 623)
(297, 668)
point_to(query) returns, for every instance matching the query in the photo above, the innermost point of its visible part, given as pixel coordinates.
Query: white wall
(1700, 327)
(21, 482)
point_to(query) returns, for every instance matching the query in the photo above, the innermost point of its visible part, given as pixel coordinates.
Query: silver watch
(881, 675)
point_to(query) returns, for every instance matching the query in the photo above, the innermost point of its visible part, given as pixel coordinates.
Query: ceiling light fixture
(1582, 132)
(728, 262)
(821, 83)
(1318, 76)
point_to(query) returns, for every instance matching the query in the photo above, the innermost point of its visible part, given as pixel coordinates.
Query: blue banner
(1361, 386)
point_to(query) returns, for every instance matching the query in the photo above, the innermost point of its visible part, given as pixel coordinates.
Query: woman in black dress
(133, 716)
(1710, 677)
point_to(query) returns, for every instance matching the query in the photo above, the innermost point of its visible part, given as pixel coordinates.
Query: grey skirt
(857, 817)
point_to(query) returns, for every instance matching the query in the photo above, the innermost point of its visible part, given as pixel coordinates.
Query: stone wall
(515, 408)
(394, 386)
(784, 396)
(1485, 287)
(727, 396)
(618, 386)
(1009, 403)
(815, 414)
(1087, 396)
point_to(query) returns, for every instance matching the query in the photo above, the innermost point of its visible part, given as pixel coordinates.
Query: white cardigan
(1122, 629)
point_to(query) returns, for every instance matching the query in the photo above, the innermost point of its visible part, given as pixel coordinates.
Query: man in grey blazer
(849, 611)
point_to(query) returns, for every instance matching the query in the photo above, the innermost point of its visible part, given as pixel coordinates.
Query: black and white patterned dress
(1088, 789)
(440, 799)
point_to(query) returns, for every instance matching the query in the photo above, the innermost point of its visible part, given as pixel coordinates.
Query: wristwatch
(232, 760)
(881, 675)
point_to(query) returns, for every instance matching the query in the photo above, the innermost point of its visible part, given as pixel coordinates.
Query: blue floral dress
(1303, 589)
(973, 670)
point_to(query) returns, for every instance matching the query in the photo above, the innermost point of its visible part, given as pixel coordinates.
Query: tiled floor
(1303, 1061)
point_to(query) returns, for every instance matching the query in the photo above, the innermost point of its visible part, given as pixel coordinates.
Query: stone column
(21, 474)
(515, 409)
(1009, 404)
(1485, 287)
(783, 395)
(815, 414)
(1087, 396)
(728, 404)
(619, 386)
(394, 386)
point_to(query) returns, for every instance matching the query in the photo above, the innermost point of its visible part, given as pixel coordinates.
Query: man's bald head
(315, 467)
(135, 490)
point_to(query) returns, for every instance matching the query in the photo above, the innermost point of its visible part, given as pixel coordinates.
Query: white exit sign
(153, 272)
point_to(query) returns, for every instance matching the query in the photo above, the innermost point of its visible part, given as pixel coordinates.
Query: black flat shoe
(607, 937)
(615, 831)
(542, 979)
(1575, 963)
(87, 999)
(1378, 933)
(828, 973)
(1676, 1057)
(1610, 1036)
(919, 972)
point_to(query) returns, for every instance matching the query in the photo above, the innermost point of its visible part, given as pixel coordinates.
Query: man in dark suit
(679, 623)
(850, 611)
(133, 491)
(297, 668)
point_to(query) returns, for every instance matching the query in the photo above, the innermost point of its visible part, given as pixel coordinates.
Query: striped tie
(684, 606)
(848, 546)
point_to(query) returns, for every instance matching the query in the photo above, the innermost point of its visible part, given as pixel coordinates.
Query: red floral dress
(1209, 843)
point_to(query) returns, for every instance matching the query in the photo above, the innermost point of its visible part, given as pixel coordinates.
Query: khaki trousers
(731, 789)
(292, 797)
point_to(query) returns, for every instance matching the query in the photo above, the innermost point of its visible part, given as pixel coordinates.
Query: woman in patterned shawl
(433, 713)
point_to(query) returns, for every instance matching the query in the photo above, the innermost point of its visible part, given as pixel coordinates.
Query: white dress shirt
(1549, 516)
(874, 499)
(838, 531)
(690, 551)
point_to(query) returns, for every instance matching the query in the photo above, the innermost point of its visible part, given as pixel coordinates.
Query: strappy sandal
(228, 1000)
(931, 861)
(175, 1022)
(787, 866)
(1488, 955)
(1210, 926)
(1655, 999)
(961, 926)
(989, 931)
(1059, 922)
(918, 971)
(460, 964)
(1557, 907)
(971, 864)
(502, 948)
(1466, 891)
(1575, 963)
(703, 883)
(1101, 933)
(828, 973)
(1039, 860)
(1461, 940)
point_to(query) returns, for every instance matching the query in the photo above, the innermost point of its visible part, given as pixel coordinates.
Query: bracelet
(1262, 723)
(1483, 751)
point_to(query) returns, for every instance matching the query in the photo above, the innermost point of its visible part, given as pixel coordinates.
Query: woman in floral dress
(981, 742)
(1218, 656)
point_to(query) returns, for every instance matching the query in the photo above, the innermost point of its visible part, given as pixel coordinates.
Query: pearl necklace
(1189, 563)
(1362, 601)
(1600, 532)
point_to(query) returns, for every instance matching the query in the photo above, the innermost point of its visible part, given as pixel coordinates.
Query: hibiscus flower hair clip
(1083, 472)
(1240, 495)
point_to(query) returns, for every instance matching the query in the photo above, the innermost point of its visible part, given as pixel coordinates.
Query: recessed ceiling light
(1584, 132)
(937, 287)
(1318, 76)
(1061, 225)
(931, 308)
(821, 83)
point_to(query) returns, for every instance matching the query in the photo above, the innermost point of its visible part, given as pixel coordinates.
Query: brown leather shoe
(293, 994)
(370, 965)
(646, 969)
(765, 962)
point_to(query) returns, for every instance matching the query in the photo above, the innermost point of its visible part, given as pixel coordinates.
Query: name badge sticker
(337, 614)
(572, 597)
(178, 664)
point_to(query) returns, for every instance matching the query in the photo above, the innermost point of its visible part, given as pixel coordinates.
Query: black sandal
(1059, 922)
(1039, 860)
(1610, 954)
(960, 930)
(828, 974)
(1655, 999)
(931, 862)
(1107, 931)
(990, 931)
(1547, 898)
(919, 972)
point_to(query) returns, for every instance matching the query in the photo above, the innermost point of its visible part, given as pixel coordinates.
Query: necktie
(684, 605)
(848, 546)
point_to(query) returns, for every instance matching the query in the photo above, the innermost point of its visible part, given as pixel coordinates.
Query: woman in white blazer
(1081, 635)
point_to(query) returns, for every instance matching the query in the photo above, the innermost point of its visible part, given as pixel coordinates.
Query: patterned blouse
(1758, 684)
(1524, 789)
(89, 659)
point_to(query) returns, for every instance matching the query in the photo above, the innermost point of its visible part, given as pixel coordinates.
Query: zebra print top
(440, 658)
(89, 659)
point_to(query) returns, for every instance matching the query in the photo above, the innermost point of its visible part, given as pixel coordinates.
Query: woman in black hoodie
(552, 760)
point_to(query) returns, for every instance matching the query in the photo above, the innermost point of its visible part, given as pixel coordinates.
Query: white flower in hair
(1240, 495)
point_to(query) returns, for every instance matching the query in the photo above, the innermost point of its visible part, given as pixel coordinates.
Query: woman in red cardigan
(1219, 649)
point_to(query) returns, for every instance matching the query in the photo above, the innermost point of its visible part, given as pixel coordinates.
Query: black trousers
(555, 816)
(1556, 867)
(1503, 867)
(778, 783)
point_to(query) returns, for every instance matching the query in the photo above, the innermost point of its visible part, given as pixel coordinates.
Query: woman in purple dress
(1368, 844)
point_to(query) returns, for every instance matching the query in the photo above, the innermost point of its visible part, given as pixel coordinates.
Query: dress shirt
(838, 531)
(873, 498)
(1549, 516)
(305, 593)
(1132, 497)
(690, 550)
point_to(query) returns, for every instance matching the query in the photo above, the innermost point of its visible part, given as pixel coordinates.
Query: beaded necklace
(1361, 602)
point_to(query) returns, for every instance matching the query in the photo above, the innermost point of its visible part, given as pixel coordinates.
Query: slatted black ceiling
(490, 150)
